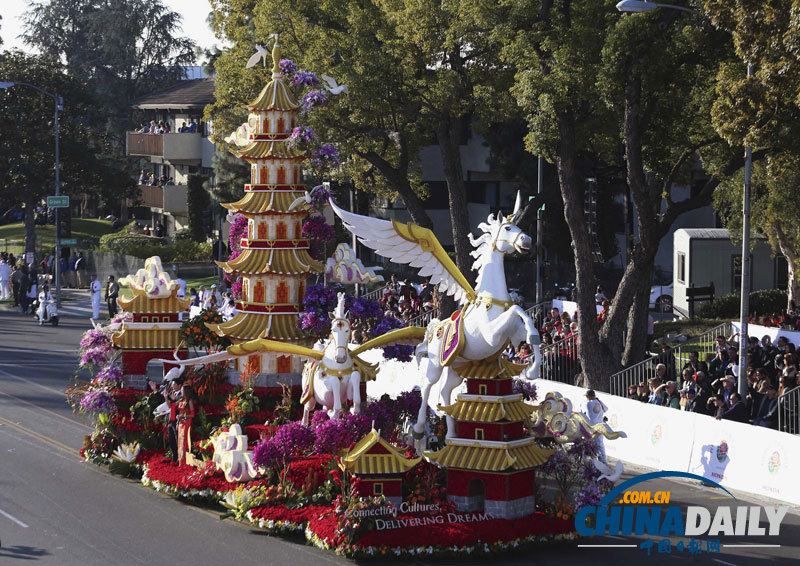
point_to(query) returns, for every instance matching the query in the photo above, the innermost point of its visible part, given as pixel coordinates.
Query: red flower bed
(125, 422)
(454, 534)
(260, 416)
(281, 513)
(211, 410)
(258, 431)
(127, 394)
(299, 469)
(186, 477)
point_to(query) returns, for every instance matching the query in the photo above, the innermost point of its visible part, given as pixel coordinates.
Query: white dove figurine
(261, 53)
(333, 87)
(607, 472)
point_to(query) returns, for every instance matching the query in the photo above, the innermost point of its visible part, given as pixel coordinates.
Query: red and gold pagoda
(491, 459)
(275, 262)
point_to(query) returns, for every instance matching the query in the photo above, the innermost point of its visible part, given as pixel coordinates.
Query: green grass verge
(82, 229)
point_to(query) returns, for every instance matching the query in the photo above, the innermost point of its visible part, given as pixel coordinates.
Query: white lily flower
(127, 452)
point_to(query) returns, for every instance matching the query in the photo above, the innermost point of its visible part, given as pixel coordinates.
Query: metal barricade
(424, 318)
(560, 361)
(788, 411)
(538, 312)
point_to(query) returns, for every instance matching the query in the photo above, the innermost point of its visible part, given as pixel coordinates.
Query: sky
(194, 13)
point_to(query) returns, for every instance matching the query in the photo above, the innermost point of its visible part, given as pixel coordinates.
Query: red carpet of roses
(297, 516)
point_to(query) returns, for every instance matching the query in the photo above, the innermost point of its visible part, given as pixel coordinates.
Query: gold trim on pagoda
(261, 202)
(277, 261)
(153, 338)
(262, 149)
(274, 96)
(394, 462)
(489, 456)
(471, 408)
(252, 325)
(141, 303)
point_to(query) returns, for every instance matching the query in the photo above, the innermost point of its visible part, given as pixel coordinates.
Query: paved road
(55, 509)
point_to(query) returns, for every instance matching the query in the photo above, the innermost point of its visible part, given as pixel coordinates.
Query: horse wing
(411, 335)
(410, 244)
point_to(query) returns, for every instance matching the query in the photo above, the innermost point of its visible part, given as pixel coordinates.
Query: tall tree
(27, 143)
(591, 80)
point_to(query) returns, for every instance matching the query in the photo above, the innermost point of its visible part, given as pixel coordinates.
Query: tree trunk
(449, 133)
(397, 177)
(790, 253)
(30, 223)
(597, 362)
(636, 340)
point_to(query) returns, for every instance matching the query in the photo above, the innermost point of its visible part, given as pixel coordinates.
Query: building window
(482, 389)
(145, 319)
(262, 231)
(282, 293)
(478, 434)
(682, 267)
(281, 125)
(280, 231)
(264, 179)
(254, 363)
(258, 292)
(736, 273)
(281, 176)
(284, 364)
(377, 489)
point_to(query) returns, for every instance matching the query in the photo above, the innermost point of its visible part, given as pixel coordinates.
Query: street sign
(58, 202)
(69, 242)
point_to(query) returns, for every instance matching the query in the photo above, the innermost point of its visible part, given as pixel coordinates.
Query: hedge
(762, 303)
(139, 245)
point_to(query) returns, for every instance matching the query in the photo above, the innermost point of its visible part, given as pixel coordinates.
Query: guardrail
(538, 312)
(673, 358)
(375, 294)
(788, 411)
(424, 318)
(560, 361)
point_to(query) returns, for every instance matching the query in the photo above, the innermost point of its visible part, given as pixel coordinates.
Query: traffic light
(64, 223)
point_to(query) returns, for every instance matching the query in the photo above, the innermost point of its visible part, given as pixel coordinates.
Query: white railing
(561, 361)
(424, 318)
(788, 411)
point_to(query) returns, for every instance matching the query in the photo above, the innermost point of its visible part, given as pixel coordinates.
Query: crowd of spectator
(710, 386)
(162, 127)
(149, 179)
(404, 301)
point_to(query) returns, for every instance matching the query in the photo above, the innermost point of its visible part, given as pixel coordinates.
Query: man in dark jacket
(767, 408)
(737, 410)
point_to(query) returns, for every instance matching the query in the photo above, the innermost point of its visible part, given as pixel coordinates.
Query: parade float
(385, 476)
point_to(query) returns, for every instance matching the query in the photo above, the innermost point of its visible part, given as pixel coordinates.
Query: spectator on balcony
(733, 366)
(143, 178)
(165, 127)
(159, 230)
(769, 349)
(169, 182)
(146, 229)
(717, 406)
(143, 129)
(192, 127)
(661, 373)
(182, 129)
(766, 413)
(789, 369)
(720, 363)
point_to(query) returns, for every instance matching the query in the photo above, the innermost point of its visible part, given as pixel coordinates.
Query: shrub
(183, 234)
(762, 303)
(125, 240)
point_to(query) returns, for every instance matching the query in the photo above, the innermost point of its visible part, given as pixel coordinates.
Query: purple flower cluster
(361, 307)
(338, 434)
(290, 440)
(98, 402)
(96, 356)
(236, 289)
(398, 352)
(287, 67)
(527, 388)
(314, 98)
(110, 374)
(320, 197)
(94, 338)
(306, 79)
(237, 231)
(329, 152)
(315, 228)
(591, 493)
(303, 134)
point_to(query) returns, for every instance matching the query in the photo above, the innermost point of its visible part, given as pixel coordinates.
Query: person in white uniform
(44, 298)
(181, 288)
(95, 288)
(5, 280)
(595, 411)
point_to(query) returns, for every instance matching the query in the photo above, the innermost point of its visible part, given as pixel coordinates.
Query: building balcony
(169, 147)
(171, 198)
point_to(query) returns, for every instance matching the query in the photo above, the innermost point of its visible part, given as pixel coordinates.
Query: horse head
(340, 331)
(500, 234)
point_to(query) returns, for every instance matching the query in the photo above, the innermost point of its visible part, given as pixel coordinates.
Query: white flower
(127, 452)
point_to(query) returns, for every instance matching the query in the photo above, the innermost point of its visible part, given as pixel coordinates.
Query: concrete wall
(104, 264)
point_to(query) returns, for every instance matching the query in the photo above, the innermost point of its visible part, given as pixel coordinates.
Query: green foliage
(199, 206)
(139, 245)
(764, 302)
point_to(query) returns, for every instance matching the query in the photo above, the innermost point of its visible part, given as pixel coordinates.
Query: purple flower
(314, 98)
(303, 134)
(96, 356)
(111, 374)
(289, 441)
(315, 228)
(98, 402)
(287, 67)
(338, 434)
(237, 231)
(320, 196)
(236, 289)
(305, 78)
(95, 337)
(527, 388)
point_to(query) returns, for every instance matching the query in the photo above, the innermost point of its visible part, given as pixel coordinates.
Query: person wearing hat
(594, 410)
(112, 292)
(671, 397)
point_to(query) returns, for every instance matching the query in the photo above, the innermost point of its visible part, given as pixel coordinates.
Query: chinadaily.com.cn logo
(637, 512)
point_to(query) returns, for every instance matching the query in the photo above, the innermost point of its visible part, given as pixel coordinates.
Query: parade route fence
(740, 456)
(789, 411)
(673, 358)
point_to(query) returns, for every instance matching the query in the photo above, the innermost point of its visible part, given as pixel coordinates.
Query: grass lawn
(196, 283)
(82, 229)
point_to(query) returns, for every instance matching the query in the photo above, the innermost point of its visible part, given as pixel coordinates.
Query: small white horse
(333, 380)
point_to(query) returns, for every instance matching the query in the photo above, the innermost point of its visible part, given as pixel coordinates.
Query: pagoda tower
(275, 261)
(490, 462)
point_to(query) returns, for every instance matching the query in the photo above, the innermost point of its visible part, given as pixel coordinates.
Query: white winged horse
(488, 319)
(331, 376)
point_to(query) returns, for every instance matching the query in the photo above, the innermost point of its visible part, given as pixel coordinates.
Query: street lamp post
(59, 105)
(744, 307)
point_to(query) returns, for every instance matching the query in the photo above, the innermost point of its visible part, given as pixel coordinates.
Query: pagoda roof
(373, 455)
(259, 202)
(261, 149)
(142, 303)
(253, 261)
(476, 408)
(491, 368)
(155, 338)
(487, 456)
(274, 96)
(251, 326)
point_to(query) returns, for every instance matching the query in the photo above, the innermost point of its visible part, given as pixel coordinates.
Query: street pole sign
(58, 202)
(69, 242)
